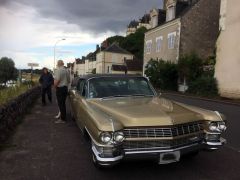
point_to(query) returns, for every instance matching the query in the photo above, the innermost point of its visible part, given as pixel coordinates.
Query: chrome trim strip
(162, 151)
(218, 114)
(222, 142)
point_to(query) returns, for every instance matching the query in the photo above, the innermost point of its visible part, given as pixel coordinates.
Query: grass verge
(7, 94)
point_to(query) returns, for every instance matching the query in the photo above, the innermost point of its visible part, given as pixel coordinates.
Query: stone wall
(200, 28)
(11, 112)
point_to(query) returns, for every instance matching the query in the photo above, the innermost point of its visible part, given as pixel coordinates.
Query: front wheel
(72, 115)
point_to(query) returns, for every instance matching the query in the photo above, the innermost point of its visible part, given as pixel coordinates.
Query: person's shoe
(59, 121)
(58, 115)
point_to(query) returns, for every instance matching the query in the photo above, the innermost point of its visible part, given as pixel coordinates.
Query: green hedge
(203, 86)
(163, 74)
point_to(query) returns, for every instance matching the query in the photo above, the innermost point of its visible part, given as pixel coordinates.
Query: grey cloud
(97, 16)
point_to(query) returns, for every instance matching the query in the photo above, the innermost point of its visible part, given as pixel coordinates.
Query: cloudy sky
(30, 28)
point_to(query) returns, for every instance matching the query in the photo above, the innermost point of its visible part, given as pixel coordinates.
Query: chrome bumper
(215, 145)
(203, 145)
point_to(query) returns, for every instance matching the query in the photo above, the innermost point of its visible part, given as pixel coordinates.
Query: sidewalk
(218, 100)
(41, 149)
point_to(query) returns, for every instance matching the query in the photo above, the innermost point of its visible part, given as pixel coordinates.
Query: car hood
(149, 111)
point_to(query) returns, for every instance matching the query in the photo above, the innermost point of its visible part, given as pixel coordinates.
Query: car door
(72, 94)
(80, 103)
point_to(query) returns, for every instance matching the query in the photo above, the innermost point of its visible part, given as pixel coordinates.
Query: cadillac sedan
(124, 117)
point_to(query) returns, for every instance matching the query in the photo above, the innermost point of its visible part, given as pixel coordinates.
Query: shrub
(190, 67)
(204, 86)
(94, 71)
(162, 74)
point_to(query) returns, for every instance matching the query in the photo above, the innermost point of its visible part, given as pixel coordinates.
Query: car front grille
(129, 146)
(150, 132)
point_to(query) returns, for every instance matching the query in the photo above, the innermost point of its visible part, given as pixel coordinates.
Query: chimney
(164, 4)
(97, 47)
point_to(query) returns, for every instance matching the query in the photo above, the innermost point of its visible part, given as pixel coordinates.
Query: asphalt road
(41, 149)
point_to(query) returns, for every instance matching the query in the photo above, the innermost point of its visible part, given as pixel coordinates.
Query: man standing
(61, 81)
(46, 81)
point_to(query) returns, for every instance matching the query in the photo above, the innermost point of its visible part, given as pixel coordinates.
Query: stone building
(188, 26)
(113, 55)
(79, 67)
(227, 70)
(143, 22)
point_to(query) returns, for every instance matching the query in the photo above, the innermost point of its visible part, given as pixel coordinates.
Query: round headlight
(106, 137)
(213, 126)
(222, 126)
(118, 136)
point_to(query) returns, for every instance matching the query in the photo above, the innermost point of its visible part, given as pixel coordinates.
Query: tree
(190, 67)
(133, 43)
(113, 39)
(7, 70)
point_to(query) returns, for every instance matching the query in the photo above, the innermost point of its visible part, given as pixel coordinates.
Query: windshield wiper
(107, 97)
(130, 95)
(145, 95)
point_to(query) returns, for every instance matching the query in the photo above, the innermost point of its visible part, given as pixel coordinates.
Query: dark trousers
(61, 93)
(48, 91)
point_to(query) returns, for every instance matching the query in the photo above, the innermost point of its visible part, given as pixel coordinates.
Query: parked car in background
(124, 117)
(11, 83)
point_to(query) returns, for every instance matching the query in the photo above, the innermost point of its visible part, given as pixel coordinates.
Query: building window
(159, 43)
(148, 46)
(171, 40)
(108, 69)
(114, 58)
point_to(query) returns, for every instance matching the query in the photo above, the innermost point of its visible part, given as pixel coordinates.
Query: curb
(202, 98)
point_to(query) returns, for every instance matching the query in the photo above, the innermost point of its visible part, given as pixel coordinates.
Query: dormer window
(155, 21)
(170, 13)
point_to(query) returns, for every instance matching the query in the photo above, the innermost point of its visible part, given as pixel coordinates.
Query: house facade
(227, 69)
(113, 55)
(110, 60)
(79, 67)
(188, 26)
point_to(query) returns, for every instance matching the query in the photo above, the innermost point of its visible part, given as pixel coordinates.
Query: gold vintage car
(124, 117)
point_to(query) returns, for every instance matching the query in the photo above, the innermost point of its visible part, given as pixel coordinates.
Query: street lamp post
(55, 51)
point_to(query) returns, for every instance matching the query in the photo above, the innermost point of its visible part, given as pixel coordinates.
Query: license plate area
(169, 157)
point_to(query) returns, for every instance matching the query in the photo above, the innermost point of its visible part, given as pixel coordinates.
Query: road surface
(42, 150)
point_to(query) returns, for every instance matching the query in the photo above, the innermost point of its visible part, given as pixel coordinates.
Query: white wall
(228, 50)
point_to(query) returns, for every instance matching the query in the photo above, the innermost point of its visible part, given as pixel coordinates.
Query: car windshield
(107, 87)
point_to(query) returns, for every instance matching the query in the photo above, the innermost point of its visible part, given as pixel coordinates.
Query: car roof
(90, 76)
